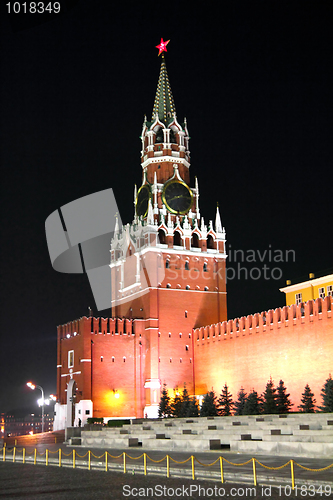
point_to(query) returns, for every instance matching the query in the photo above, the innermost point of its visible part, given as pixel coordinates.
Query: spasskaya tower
(168, 265)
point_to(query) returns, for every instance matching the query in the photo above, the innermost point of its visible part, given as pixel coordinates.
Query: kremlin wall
(292, 343)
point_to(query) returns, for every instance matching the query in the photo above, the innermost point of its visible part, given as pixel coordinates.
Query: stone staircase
(292, 434)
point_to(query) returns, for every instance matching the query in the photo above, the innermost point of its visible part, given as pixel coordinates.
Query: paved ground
(33, 482)
(37, 481)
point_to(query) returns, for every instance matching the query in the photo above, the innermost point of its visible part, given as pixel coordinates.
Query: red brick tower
(168, 267)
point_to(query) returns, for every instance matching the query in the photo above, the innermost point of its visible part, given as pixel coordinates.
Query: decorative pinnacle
(162, 46)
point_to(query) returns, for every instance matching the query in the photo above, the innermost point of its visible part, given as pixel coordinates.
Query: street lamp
(33, 387)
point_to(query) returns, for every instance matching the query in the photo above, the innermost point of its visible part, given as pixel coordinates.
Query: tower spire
(218, 223)
(164, 105)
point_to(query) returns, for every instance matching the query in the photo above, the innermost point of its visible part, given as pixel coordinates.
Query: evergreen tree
(225, 403)
(269, 398)
(283, 403)
(308, 403)
(253, 404)
(164, 409)
(208, 408)
(176, 403)
(327, 396)
(240, 403)
(193, 409)
(185, 403)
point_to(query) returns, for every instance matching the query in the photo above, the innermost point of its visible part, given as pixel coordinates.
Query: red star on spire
(162, 46)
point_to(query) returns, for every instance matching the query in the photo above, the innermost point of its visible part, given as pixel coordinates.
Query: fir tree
(269, 398)
(253, 404)
(176, 403)
(208, 407)
(185, 403)
(164, 409)
(308, 403)
(327, 396)
(193, 409)
(283, 403)
(225, 403)
(240, 403)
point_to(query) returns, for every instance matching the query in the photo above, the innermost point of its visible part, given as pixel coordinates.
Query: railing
(13, 455)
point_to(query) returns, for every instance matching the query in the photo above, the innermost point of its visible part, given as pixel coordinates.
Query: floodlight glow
(31, 385)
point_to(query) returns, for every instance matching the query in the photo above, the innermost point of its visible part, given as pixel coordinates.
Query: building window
(180, 360)
(187, 266)
(186, 348)
(87, 412)
(70, 359)
(112, 359)
(124, 359)
(298, 298)
(101, 359)
(170, 360)
(321, 292)
(185, 314)
(205, 267)
(169, 334)
(167, 264)
(180, 335)
(168, 285)
(188, 287)
(330, 290)
(206, 288)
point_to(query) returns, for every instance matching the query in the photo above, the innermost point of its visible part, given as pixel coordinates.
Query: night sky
(254, 80)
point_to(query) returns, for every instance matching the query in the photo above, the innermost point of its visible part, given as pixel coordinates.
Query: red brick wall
(297, 350)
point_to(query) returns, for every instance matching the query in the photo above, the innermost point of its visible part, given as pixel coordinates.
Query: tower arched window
(167, 264)
(173, 137)
(210, 241)
(159, 136)
(161, 236)
(177, 241)
(205, 267)
(195, 240)
(187, 266)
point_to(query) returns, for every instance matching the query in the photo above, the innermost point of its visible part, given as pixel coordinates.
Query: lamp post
(33, 387)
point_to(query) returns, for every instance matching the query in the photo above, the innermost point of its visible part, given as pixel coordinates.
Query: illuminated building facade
(311, 289)
(168, 284)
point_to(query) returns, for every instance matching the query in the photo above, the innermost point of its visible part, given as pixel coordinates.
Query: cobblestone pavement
(31, 482)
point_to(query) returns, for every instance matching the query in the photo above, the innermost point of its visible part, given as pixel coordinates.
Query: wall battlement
(281, 317)
(111, 326)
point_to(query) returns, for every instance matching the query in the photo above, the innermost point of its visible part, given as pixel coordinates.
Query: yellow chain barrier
(273, 468)
(313, 470)
(254, 471)
(124, 455)
(207, 465)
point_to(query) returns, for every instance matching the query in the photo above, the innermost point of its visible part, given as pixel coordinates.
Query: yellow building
(312, 289)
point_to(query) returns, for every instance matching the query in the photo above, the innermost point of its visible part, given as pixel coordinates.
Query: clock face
(142, 201)
(177, 197)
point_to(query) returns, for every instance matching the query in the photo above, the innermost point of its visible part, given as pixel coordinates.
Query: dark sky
(254, 80)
